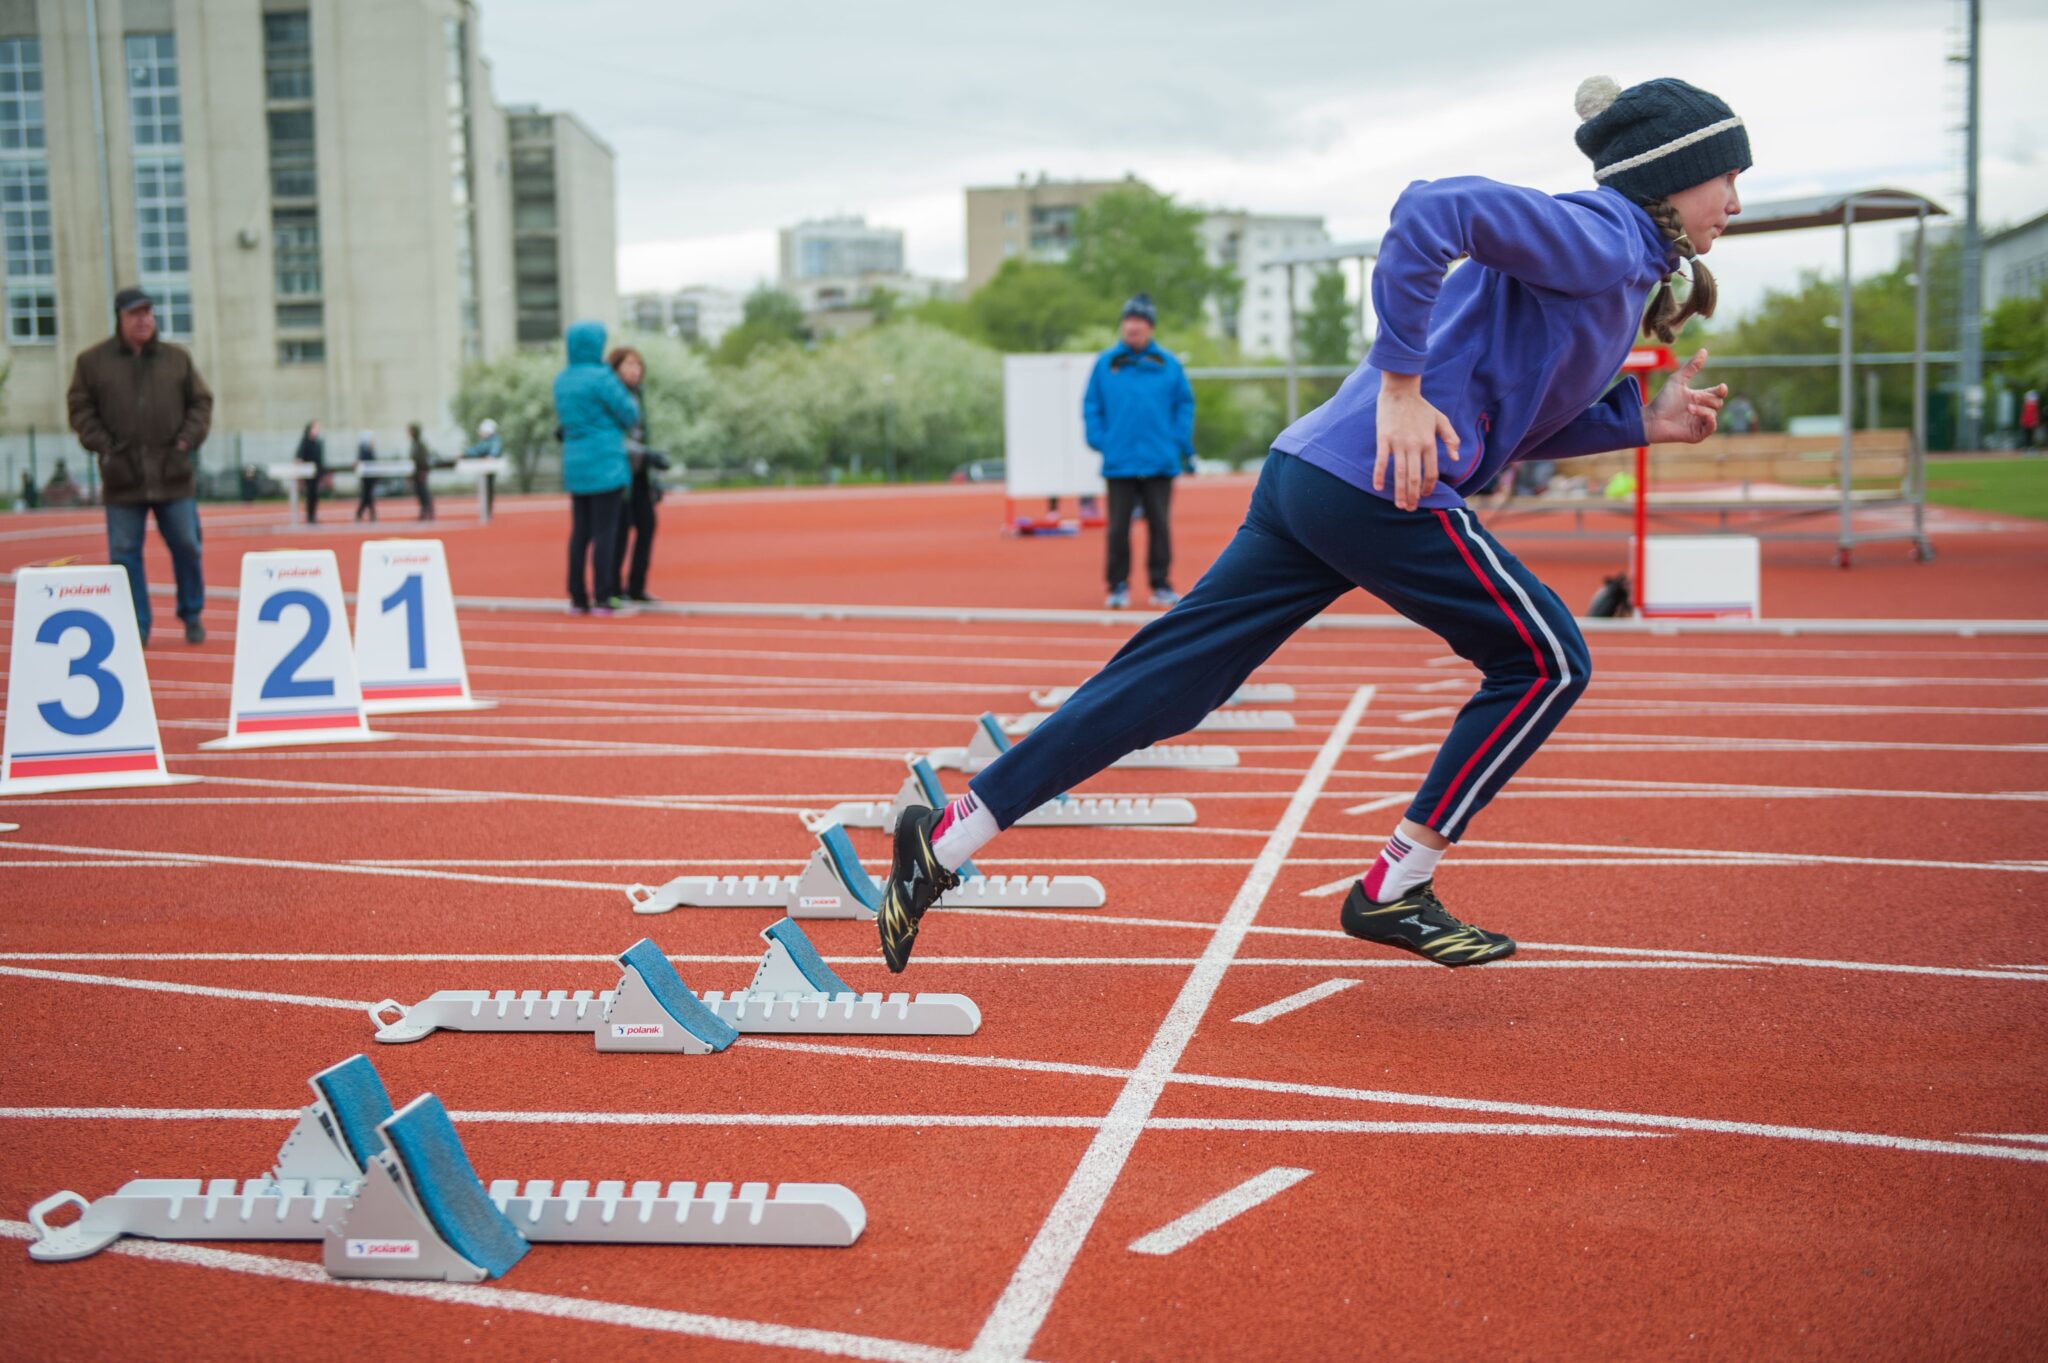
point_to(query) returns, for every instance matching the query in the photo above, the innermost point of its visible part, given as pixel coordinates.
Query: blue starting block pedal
(990, 742)
(393, 1195)
(921, 787)
(793, 991)
(833, 884)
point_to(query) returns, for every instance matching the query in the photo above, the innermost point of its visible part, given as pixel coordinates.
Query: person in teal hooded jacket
(595, 411)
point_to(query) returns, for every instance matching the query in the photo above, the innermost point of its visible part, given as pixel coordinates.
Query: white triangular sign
(295, 673)
(408, 645)
(79, 713)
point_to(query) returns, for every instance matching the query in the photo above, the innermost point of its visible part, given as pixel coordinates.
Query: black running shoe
(916, 880)
(1419, 922)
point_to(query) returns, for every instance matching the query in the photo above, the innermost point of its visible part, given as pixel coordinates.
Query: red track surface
(1646, 1152)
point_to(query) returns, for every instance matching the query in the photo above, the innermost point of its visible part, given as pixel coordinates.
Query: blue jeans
(1308, 539)
(178, 522)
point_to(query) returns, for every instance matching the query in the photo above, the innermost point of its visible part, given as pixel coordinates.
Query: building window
(301, 352)
(288, 56)
(296, 276)
(293, 171)
(1010, 218)
(156, 133)
(25, 237)
(295, 251)
(1009, 247)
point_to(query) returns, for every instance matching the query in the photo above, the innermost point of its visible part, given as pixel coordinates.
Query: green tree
(517, 392)
(2020, 325)
(1326, 330)
(769, 317)
(1135, 240)
(1030, 308)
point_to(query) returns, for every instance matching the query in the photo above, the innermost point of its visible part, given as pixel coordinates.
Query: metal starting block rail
(1216, 721)
(793, 991)
(393, 1195)
(833, 884)
(1251, 693)
(990, 742)
(921, 787)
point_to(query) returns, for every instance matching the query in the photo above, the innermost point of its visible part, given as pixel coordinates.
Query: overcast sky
(732, 119)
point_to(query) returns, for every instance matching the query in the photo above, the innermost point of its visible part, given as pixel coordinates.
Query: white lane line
(1183, 1231)
(1375, 806)
(1315, 993)
(1022, 1308)
(1433, 712)
(170, 987)
(1396, 754)
(1392, 1098)
(342, 868)
(2029, 1137)
(583, 1310)
(913, 1120)
(9, 864)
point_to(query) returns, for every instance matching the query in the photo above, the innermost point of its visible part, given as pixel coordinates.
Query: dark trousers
(425, 494)
(178, 522)
(1308, 539)
(313, 497)
(593, 538)
(366, 497)
(1156, 496)
(636, 521)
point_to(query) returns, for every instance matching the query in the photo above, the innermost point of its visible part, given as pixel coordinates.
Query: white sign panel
(79, 713)
(1703, 575)
(1045, 440)
(408, 646)
(295, 673)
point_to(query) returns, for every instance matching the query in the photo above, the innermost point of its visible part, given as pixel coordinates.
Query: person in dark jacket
(139, 405)
(596, 411)
(313, 451)
(366, 486)
(1140, 416)
(636, 514)
(422, 469)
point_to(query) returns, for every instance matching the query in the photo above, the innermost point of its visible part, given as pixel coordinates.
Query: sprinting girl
(1509, 357)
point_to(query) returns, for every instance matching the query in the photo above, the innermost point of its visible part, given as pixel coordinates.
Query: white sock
(1399, 868)
(962, 830)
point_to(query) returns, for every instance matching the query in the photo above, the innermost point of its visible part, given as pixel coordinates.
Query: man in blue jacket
(596, 411)
(1140, 415)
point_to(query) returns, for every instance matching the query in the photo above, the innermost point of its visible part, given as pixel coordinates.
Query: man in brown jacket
(139, 404)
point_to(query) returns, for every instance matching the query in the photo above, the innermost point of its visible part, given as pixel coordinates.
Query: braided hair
(1667, 315)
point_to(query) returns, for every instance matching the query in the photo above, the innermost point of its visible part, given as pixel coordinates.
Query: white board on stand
(79, 712)
(1703, 576)
(1045, 439)
(408, 645)
(295, 671)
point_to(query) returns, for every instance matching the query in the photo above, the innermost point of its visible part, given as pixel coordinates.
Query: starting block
(990, 742)
(1228, 721)
(393, 1195)
(793, 991)
(1251, 693)
(921, 787)
(833, 884)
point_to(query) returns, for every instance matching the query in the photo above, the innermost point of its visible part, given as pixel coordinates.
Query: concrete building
(317, 191)
(2015, 261)
(1032, 219)
(846, 291)
(698, 314)
(1246, 242)
(838, 248)
(564, 224)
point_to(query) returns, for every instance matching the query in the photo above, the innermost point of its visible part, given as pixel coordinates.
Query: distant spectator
(31, 498)
(60, 490)
(487, 446)
(596, 411)
(1140, 416)
(2030, 419)
(366, 496)
(312, 450)
(636, 514)
(422, 469)
(1739, 417)
(138, 403)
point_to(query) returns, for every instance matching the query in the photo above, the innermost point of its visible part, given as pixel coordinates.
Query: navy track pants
(1308, 538)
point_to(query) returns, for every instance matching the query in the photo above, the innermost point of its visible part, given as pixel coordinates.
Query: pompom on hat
(1658, 137)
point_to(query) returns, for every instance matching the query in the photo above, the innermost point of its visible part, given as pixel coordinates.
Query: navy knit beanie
(1658, 137)
(1140, 306)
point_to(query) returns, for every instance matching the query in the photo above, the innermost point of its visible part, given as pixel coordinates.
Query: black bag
(1612, 599)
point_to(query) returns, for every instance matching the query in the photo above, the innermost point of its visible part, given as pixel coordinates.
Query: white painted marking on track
(1028, 1297)
(1315, 993)
(1434, 712)
(1374, 806)
(1183, 1231)
(583, 1310)
(1412, 750)
(172, 987)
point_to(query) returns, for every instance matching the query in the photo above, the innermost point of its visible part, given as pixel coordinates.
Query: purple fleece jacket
(1516, 346)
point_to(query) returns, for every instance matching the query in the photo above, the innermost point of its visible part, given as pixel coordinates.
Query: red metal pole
(1642, 524)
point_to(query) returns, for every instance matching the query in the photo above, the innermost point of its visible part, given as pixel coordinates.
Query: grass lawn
(2016, 486)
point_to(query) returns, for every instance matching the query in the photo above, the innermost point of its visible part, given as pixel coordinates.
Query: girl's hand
(1408, 431)
(1682, 415)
